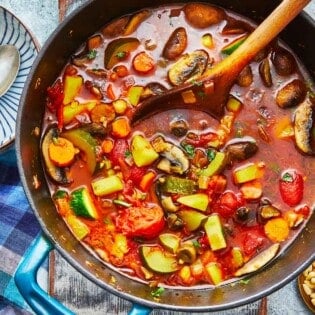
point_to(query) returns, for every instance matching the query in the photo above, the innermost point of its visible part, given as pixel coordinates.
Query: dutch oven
(64, 41)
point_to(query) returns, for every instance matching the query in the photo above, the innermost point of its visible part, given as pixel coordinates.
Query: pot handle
(41, 302)
(25, 280)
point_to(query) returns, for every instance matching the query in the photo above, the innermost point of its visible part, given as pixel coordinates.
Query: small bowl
(12, 31)
(306, 298)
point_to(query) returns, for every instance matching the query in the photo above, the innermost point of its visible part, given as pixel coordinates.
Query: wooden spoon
(210, 92)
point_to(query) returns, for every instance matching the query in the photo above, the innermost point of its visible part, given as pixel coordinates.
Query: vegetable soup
(180, 198)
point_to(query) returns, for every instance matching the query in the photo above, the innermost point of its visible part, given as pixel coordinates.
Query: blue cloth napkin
(18, 229)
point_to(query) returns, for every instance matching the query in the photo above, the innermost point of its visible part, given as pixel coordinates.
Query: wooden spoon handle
(261, 36)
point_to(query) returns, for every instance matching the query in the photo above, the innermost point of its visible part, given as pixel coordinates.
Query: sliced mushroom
(179, 127)
(174, 222)
(188, 67)
(245, 78)
(201, 15)
(269, 211)
(259, 261)
(283, 61)
(187, 253)
(241, 150)
(264, 71)
(57, 174)
(177, 157)
(291, 94)
(135, 21)
(176, 44)
(236, 27)
(116, 27)
(153, 88)
(303, 124)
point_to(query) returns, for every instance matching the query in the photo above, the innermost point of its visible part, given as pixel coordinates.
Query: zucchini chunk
(82, 204)
(213, 228)
(157, 260)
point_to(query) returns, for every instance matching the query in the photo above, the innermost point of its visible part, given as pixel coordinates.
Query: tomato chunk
(145, 221)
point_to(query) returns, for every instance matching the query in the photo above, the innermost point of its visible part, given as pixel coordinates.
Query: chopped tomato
(252, 242)
(291, 186)
(145, 221)
(226, 204)
(136, 174)
(119, 151)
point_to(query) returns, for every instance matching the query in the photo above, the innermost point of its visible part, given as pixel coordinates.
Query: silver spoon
(9, 66)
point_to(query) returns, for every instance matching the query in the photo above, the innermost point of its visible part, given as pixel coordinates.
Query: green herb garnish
(128, 154)
(210, 154)
(287, 177)
(91, 54)
(121, 55)
(244, 281)
(157, 292)
(189, 149)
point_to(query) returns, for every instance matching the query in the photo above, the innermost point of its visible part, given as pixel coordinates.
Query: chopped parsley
(210, 154)
(91, 54)
(244, 281)
(196, 244)
(121, 55)
(287, 177)
(128, 154)
(189, 149)
(157, 292)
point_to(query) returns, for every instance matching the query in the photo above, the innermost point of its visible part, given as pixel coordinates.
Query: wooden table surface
(70, 287)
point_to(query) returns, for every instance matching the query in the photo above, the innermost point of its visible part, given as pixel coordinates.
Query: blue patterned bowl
(13, 32)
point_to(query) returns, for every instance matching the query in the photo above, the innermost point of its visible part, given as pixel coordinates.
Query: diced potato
(197, 201)
(142, 151)
(72, 87)
(107, 185)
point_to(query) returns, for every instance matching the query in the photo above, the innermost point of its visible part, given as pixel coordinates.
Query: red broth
(181, 198)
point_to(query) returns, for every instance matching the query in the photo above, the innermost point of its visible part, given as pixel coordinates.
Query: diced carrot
(107, 145)
(121, 127)
(121, 71)
(110, 92)
(277, 229)
(146, 181)
(284, 128)
(63, 206)
(251, 190)
(94, 42)
(143, 62)
(61, 152)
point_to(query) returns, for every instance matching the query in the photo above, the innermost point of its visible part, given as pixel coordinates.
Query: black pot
(299, 35)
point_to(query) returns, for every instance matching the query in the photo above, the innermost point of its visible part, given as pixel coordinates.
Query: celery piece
(214, 271)
(197, 201)
(215, 166)
(246, 174)
(233, 105)
(192, 219)
(107, 185)
(134, 94)
(230, 48)
(75, 108)
(78, 228)
(237, 257)
(213, 228)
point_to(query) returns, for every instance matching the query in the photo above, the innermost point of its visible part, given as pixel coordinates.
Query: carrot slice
(121, 127)
(146, 181)
(277, 229)
(107, 145)
(61, 152)
(143, 62)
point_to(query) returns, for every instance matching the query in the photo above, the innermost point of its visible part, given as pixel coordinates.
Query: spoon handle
(260, 37)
